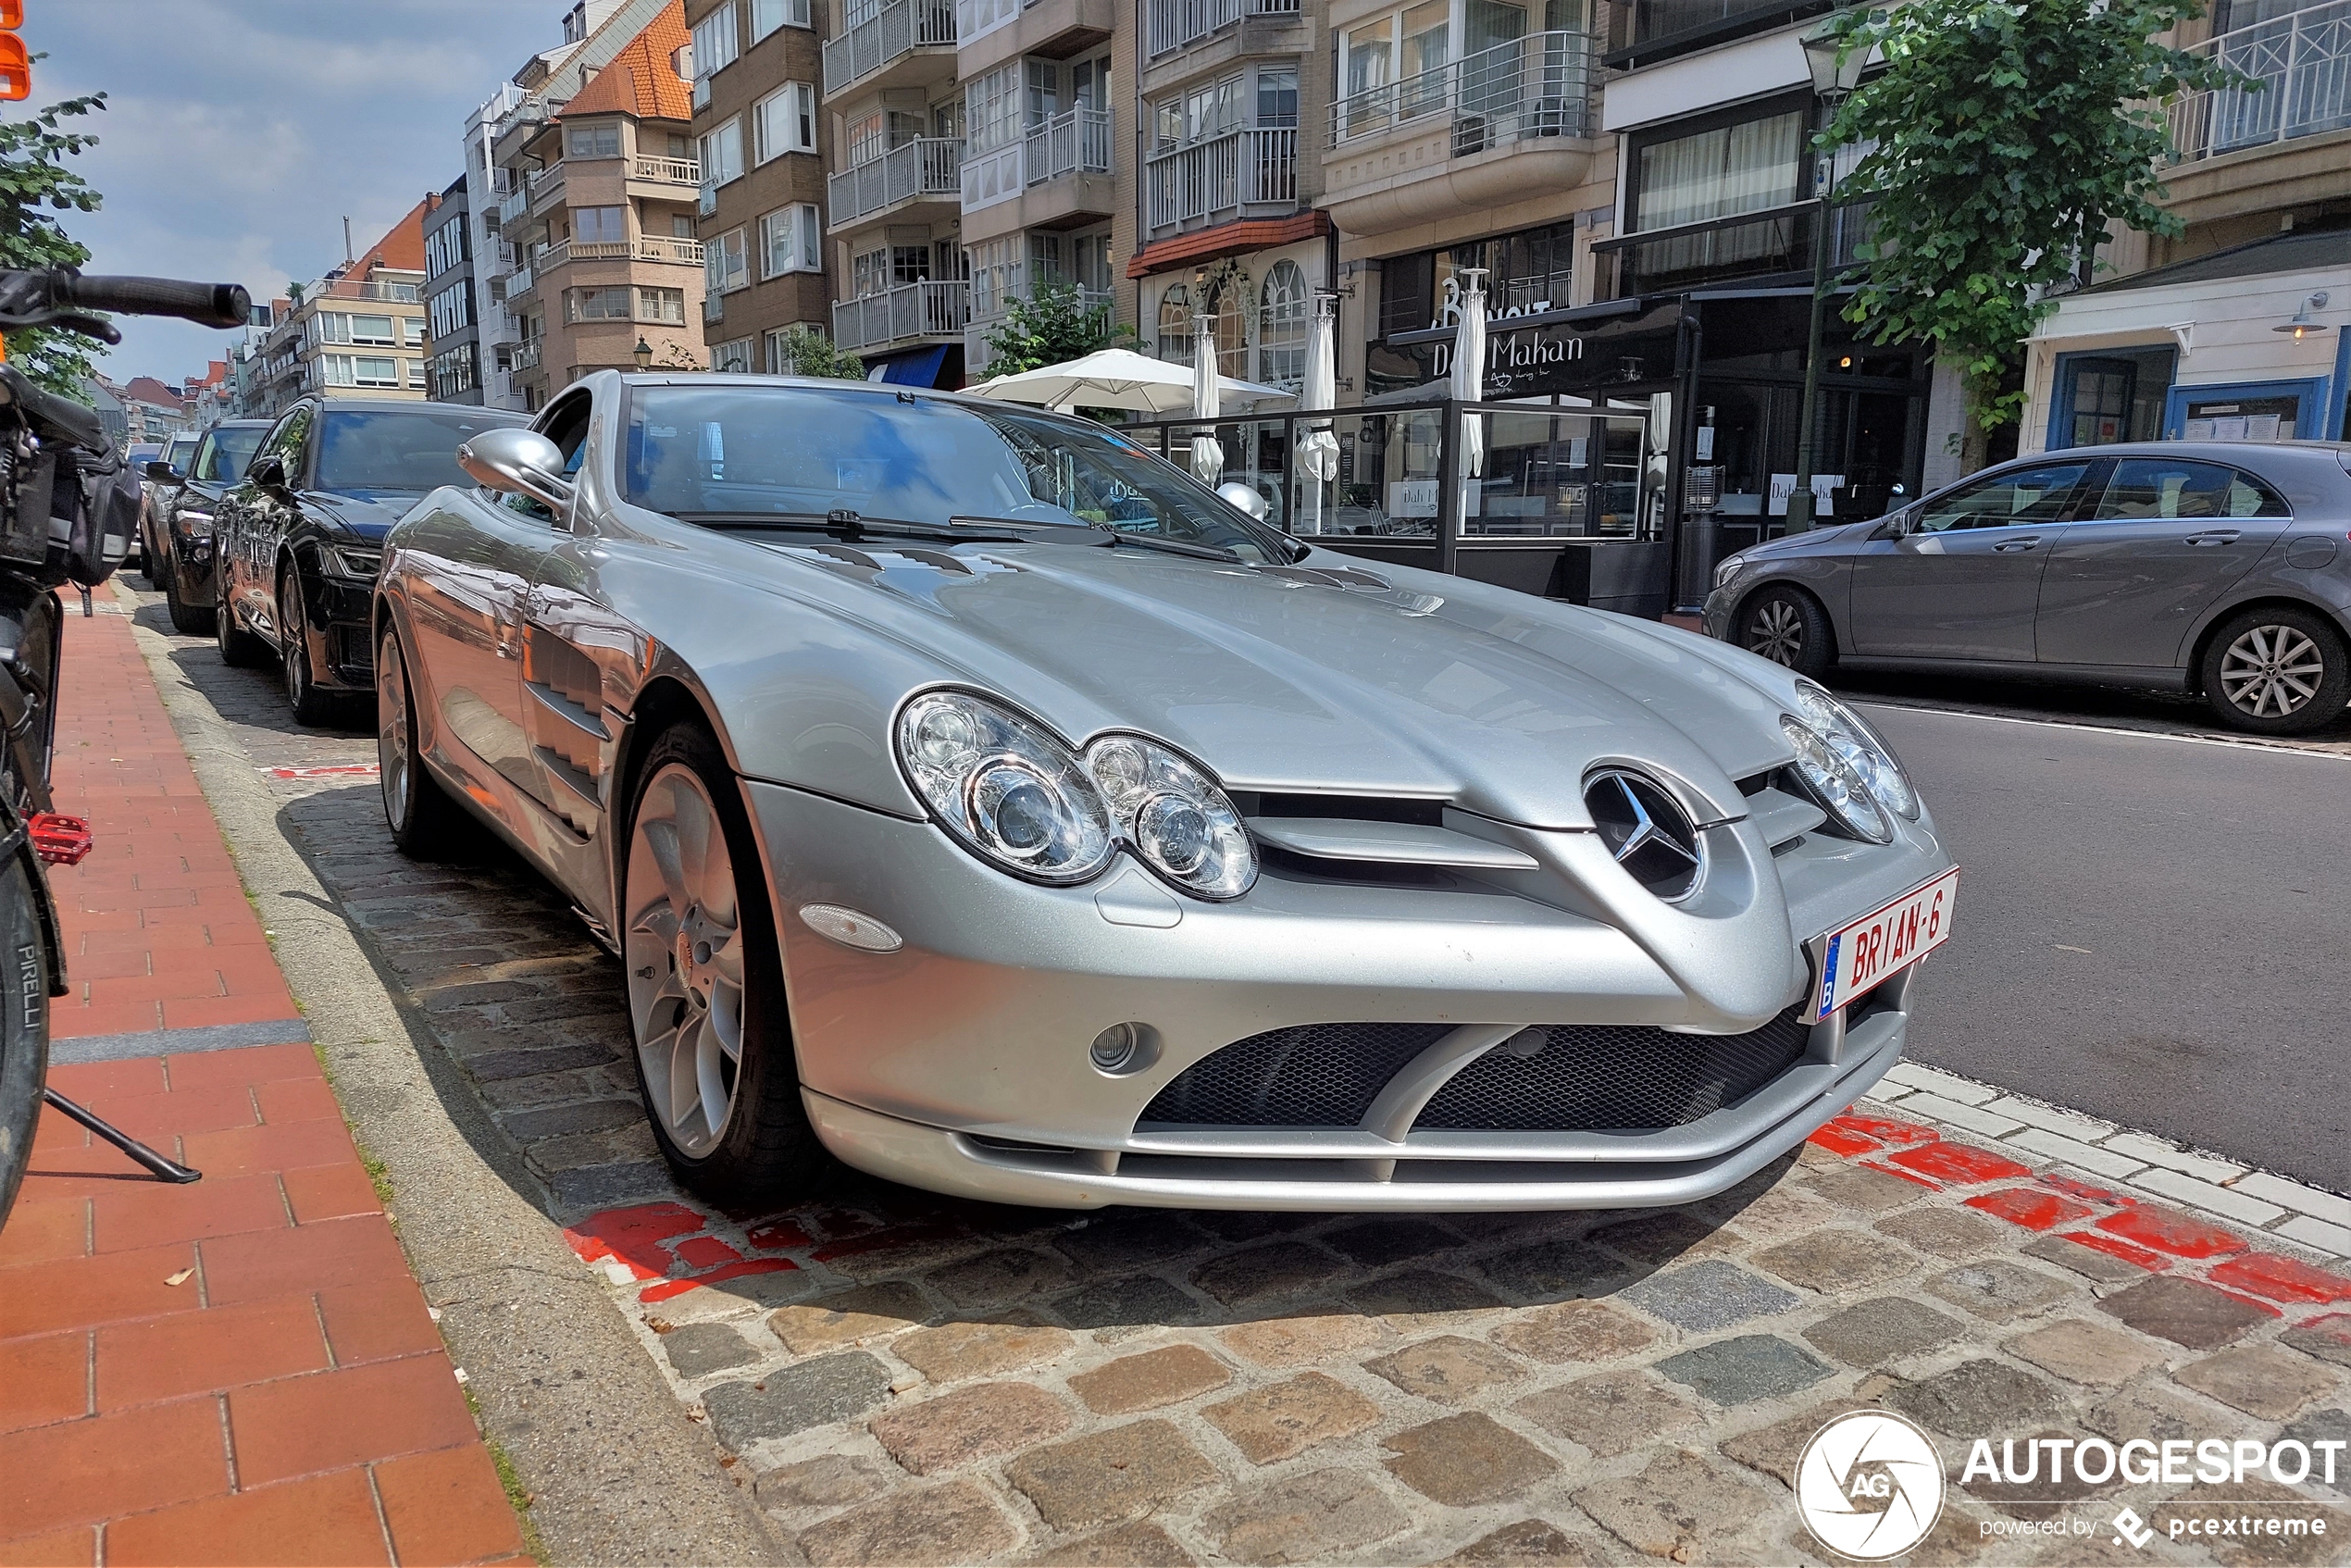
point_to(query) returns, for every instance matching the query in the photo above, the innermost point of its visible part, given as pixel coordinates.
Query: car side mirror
(162, 472)
(269, 473)
(519, 462)
(1898, 526)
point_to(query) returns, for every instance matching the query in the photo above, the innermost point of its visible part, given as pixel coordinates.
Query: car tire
(699, 946)
(310, 705)
(426, 823)
(191, 619)
(2277, 670)
(239, 649)
(1788, 626)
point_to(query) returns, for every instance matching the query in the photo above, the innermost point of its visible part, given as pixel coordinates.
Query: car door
(245, 524)
(2168, 537)
(270, 513)
(1964, 581)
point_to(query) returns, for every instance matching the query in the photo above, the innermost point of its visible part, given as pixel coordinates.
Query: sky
(238, 133)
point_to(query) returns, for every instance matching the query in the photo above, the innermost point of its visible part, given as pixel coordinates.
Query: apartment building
(359, 331)
(760, 139)
(2240, 327)
(452, 347)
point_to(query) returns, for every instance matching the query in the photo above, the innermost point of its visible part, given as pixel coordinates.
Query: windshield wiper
(854, 528)
(1173, 546)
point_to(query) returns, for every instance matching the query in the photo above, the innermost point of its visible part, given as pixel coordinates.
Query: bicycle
(67, 505)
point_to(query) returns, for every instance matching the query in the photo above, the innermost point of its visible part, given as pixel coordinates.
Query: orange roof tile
(642, 79)
(402, 246)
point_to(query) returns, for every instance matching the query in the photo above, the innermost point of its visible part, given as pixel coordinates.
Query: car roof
(407, 405)
(241, 424)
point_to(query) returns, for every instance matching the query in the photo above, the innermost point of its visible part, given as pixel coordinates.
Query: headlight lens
(194, 523)
(351, 561)
(1835, 783)
(1175, 815)
(1850, 737)
(1011, 793)
(1731, 567)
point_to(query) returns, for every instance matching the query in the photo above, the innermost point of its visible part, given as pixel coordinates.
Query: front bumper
(959, 1062)
(342, 646)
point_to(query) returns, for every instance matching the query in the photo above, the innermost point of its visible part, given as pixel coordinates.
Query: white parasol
(1208, 455)
(1115, 378)
(1469, 375)
(1317, 447)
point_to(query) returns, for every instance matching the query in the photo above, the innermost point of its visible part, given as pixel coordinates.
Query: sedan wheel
(310, 705)
(426, 823)
(2276, 671)
(1788, 626)
(705, 984)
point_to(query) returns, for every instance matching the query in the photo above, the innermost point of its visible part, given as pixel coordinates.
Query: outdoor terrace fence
(2300, 64)
(1538, 85)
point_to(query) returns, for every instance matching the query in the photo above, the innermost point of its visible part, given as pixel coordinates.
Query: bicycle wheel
(24, 1028)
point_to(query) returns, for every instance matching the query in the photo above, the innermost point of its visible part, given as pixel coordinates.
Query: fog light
(1119, 1048)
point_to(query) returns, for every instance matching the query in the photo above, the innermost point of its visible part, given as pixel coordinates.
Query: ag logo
(1870, 1486)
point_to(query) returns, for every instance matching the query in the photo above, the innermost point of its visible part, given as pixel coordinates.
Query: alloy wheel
(293, 642)
(391, 732)
(1776, 631)
(685, 954)
(2270, 671)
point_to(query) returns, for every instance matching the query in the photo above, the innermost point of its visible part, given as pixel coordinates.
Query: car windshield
(176, 453)
(403, 449)
(740, 452)
(225, 459)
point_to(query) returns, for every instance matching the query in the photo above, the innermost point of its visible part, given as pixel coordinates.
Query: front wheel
(705, 986)
(193, 619)
(239, 649)
(310, 705)
(1788, 626)
(24, 1028)
(425, 823)
(2278, 670)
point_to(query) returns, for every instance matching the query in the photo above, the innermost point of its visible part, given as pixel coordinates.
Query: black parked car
(301, 535)
(157, 476)
(180, 521)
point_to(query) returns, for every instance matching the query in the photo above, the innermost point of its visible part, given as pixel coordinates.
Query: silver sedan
(2219, 569)
(973, 797)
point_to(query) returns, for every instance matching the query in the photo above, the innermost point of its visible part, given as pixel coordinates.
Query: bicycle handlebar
(208, 304)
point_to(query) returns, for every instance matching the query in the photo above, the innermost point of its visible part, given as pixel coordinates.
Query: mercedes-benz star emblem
(1648, 833)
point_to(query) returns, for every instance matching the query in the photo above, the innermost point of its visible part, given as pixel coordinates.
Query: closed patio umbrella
(1469, 377)
(1208, 455)
(1317, 447)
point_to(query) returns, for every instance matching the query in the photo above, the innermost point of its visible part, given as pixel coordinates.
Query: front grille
(1597, 1078)
(1312, 1076)
(1585, 1079)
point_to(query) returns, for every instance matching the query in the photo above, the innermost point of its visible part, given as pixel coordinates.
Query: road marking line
(2273, 747)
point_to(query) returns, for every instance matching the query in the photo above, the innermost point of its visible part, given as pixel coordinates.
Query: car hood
(1334, 676)
(1813, 542)
(368, 514)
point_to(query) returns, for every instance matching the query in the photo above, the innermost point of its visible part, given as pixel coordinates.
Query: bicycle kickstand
(163, 1167)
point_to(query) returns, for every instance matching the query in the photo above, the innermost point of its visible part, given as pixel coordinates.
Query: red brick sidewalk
(239, 1370)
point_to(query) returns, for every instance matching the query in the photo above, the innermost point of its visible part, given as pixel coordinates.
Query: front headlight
(1005, 789)
(1835, 784)
(1175, 815)
(350, 560)
(1731, 567)
(1850, 735)
(195, 524)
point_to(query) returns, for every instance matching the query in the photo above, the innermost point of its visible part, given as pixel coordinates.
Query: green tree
(2001, 141)
(1053, 325)
(807, 352)
(33, 176)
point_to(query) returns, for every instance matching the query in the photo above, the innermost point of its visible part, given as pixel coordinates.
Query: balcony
(1480, 130)
(666, 171)
(520, 282)
(1647, 31)
(1027, 184)
(363, 288)
(910, 313)
(1170, 25)
(2301, 68)
(1777, 242)
(648, 247)
(544, 187)
(928, 167)
(1235, 176)
(917, 35)
(989, 32)
(526, 355)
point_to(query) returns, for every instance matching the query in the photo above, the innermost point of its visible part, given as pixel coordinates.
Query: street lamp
(645, 352)
(1836, 71)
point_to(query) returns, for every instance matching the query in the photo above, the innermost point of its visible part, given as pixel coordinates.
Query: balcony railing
(526, 356)
(650, 247)
(994, 304)
(543, 185)
(1777, 241)
(1076, 141)
(1209, 180)
(1538, 85)
(670, 171)
(2301, 66)
(654, 247)
(520, 282)
(359, 289)
(894, 30)
(930, 166)
(903, 313)
(1170, 25)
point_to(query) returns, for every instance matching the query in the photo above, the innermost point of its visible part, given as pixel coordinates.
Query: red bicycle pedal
(60, 839)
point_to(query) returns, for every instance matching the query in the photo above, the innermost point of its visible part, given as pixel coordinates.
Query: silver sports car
(976, 797)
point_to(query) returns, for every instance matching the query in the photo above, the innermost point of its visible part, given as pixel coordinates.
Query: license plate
(1884, 942)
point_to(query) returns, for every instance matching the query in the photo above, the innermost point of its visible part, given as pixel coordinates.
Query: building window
(451, 309)
(412, 331)
(726, 266)
(592, 141)
(788, 242)
(598, 304)
(335, 327)
(733, 355)
(888, 267)
(662, 304)
(767, 15)
(992, 110)
(722, 155)
(1730, 169)
(360, 370)
(785, 122)
(1176, 325)
(416, 372)
(600, 226)
(453, 371)
(1281, 327)
(717, 42)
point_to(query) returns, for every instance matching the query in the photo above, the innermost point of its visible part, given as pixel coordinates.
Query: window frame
(2238, 474)
(787, 13)
(1797, 100)
(726, 21)
(806, 238)
(801, 114)
(716, 136)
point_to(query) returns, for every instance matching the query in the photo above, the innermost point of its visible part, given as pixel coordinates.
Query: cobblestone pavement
(907, 1379)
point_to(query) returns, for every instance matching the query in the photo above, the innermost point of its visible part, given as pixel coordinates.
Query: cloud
(239, 134)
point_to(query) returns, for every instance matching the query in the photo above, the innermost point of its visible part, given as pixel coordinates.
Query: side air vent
(1646, 830)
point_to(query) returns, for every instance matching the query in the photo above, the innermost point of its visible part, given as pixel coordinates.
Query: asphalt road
(2154, 923)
